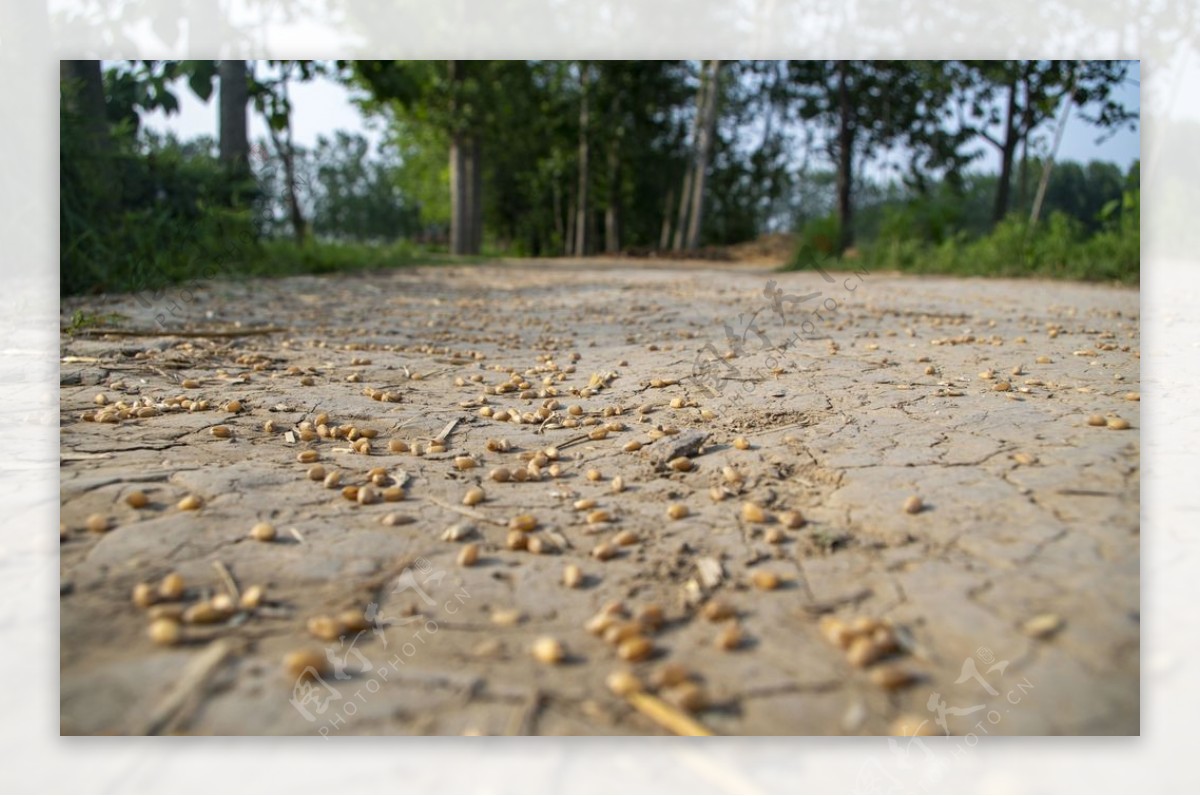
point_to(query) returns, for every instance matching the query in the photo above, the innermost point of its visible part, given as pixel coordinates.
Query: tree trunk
(466, 180)
(1023, 175)
(581, 207)
(765, 200)
(1045, 181)
(664, 237)
(235, 139)
(556, 202)
(287, 153)
(1000, 210)
(85, 98)
(475, 199)
(459, 208)
(295, 213)
(569, 240)
(684, 197)
(612, 228)
(466, 186)
(703, 152)
(593, 229)
(1023, 172)
(88, 98)
(845, 160)
(612, 209)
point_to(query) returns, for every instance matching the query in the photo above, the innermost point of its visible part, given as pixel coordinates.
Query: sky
(323, 106)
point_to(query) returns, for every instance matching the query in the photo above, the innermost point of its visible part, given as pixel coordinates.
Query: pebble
(752, 512)
(909, 726)
(622, 682)
(892, 677)
(765, 581)
(548, 650)
(469, 555)
(1043, 626)
(166, 632)
(305, 664)
(572, 576)
(792, 520)
(730, 637)
(686, 696)
(638, 648)
(263, 532)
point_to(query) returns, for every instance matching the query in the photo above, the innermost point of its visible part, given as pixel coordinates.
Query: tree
(132, 87)
(467, 102)
(864, 107)
(691, 196)
(234, 130)
(82, 90)
(272, 98)
(634, 121)
(107, 104)
(355, 196)
(612, 205)
(466, 170)
(1019, 97)
(139, 210)
(704, 126)
(581, 197)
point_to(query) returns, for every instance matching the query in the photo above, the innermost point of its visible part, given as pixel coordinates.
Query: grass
(286, 258)
(1057, 248)
(240, 257)
(82, 319)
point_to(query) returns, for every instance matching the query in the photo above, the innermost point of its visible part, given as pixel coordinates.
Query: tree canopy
(583, 157)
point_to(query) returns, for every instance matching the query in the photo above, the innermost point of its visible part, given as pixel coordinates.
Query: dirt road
(1007, 604)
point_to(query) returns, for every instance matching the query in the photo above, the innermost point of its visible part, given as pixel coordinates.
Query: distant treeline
(575, 157)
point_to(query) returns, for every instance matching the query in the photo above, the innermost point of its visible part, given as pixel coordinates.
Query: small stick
(227, 577)
(466, 512)
(398, 426)
(446, 431)
(195, 676)
(524, 721)
(296, 534)
(573, 441)
(828, 606)
(666, 716)
(181, 333)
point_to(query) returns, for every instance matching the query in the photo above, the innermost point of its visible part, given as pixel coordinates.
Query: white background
(34, 36)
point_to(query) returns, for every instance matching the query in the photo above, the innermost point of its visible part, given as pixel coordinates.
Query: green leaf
(200, 77)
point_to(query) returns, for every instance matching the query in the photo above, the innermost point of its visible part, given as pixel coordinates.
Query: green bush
(819, 241)
(285, 257)
(1059, 247)
(141, 214)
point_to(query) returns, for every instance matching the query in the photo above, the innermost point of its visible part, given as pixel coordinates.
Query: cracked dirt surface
(882, 391)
